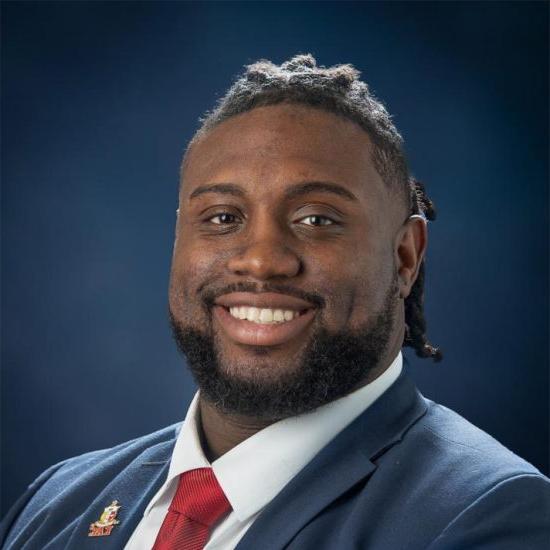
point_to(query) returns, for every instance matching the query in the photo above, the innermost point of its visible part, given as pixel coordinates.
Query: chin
(258, 366)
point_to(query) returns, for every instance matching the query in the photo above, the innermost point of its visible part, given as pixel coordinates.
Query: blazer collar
(346, 460)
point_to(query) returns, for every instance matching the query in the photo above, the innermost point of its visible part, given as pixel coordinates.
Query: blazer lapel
(133, 488)
(347, 460)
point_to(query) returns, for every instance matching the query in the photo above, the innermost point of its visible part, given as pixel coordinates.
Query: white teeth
(278, 315)
(264, 316)
(253, 314)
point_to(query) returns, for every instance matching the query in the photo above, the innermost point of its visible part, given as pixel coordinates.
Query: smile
(262, 319)
(264, 316)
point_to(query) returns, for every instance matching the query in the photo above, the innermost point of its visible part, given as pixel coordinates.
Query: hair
(337, 90)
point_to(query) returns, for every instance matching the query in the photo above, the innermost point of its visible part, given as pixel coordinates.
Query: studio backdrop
(98, 102)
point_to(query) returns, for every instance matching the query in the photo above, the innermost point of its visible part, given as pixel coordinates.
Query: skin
(271, 239)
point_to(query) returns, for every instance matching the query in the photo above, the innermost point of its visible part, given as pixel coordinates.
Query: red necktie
(198, 503)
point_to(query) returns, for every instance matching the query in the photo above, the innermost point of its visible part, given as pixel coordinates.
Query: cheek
(354, 284)
(338, 279)
(192, 268)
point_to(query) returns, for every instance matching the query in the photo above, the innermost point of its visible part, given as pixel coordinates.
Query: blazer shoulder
(456, 442)
(80, 474)
(155, 446)
(132, 448)
(514, 512)
(461, 479)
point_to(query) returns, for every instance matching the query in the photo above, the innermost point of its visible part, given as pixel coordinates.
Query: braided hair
(337, 90)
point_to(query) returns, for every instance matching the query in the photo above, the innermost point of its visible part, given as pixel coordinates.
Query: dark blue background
(99, 100)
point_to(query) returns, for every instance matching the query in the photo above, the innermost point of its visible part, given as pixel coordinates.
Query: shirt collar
(254, 472)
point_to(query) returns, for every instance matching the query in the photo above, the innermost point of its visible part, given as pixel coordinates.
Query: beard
(332, 365)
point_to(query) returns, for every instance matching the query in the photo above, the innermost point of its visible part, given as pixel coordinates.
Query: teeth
(264, 316)
(278, 315)
(253, 314)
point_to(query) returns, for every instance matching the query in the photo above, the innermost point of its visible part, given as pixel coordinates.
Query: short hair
(338, 90)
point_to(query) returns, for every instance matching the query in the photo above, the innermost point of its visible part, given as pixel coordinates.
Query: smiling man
(297, 277)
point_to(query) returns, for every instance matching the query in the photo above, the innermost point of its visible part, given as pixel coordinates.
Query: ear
(409, 249)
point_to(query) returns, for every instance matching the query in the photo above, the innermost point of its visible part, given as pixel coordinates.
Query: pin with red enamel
(106, 522)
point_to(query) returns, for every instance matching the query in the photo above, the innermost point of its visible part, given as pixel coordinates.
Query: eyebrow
(319, 186)
(226, 188)
(293, 192)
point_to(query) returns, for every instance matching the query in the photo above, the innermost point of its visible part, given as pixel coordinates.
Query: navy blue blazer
(407, 474)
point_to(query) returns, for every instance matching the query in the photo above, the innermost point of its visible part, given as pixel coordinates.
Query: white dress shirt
(254, 472)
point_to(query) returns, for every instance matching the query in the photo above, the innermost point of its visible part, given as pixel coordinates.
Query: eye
(223, 218)
(316, 220)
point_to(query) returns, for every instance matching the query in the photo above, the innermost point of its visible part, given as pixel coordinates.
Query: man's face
(283, 291)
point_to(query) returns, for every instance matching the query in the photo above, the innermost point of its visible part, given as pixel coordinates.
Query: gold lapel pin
(104, 525)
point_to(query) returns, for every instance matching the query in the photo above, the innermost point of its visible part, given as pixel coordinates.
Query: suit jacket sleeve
(514, 514)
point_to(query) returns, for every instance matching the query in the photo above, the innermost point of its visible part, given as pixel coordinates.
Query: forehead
(270, 148)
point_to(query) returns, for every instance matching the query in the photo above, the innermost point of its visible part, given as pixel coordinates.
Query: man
(297, 277)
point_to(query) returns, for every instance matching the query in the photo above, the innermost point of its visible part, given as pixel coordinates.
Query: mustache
(210, 295)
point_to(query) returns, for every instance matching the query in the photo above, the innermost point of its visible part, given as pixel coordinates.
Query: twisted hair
(337, 90)
(415, 322)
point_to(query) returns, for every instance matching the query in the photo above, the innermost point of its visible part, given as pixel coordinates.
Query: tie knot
(200, 497)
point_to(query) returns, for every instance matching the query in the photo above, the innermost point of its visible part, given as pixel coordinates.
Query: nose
(266, 257)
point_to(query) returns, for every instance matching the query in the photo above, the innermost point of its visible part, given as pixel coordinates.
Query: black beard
(332, 366)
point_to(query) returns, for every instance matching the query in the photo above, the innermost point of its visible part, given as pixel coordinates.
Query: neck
(221, 431)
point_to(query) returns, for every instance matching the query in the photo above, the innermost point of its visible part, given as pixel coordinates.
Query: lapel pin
(104, 525)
